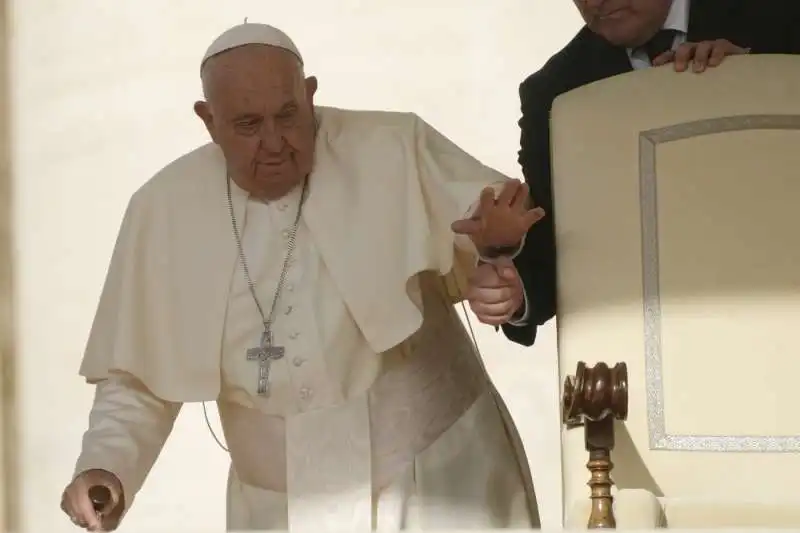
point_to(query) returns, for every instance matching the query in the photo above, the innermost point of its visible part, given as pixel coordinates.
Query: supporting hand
(495, 292)
(699, 55)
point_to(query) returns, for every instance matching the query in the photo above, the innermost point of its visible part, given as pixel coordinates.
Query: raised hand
(500, 221)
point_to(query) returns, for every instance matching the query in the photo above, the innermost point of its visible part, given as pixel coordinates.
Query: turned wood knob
(595, 393)
(593, 398)
(100, 497)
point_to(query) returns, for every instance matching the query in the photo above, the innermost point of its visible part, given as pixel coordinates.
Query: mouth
(272, 164)
(612, 15)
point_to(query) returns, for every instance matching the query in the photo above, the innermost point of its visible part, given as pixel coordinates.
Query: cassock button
(294, 335)
(298, 361)
(305, 393)
(282, 207)
(285, 234)
(290, 287)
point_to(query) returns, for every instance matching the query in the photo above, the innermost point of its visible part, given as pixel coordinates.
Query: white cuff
(522, 321)
(513, 256)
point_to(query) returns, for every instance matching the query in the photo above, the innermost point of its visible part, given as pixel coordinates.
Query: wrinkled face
(628, 23)
(260, 111)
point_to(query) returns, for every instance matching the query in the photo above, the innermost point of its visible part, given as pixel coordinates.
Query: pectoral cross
(265, 353)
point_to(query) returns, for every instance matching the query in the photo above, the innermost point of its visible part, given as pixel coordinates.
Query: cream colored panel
(677, 255)
(743, 261)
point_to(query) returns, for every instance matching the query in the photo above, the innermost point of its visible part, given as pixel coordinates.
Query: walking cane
(100, 497)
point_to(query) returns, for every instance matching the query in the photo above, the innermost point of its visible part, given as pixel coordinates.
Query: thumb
(505, 267)
(466, 226)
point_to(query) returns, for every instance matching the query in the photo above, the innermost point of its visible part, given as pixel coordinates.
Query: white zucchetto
(248, 33)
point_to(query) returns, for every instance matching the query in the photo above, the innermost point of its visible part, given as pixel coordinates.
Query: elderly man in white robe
(301, 270)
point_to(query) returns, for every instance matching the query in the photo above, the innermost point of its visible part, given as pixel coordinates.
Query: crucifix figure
(265, 353)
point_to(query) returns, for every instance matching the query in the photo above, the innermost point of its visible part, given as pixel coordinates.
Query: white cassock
(380, 415)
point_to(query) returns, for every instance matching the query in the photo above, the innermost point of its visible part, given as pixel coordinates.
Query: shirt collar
(678, 16)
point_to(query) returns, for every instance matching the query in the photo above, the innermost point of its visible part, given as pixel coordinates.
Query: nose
(271, 137)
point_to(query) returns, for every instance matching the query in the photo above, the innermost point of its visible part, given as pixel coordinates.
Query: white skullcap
(248, 33)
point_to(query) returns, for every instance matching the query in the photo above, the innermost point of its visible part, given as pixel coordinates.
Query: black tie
(660, 43)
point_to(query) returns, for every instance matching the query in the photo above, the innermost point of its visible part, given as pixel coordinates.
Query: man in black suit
(619, 36)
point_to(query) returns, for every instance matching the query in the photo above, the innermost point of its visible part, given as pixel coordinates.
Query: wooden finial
(593, 398)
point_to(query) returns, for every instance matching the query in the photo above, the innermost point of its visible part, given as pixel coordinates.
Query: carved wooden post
(594, 398)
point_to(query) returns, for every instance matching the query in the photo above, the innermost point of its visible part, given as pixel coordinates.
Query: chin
(619, 33)
(275, 187)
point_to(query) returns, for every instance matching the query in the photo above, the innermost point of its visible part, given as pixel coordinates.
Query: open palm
(502, 220)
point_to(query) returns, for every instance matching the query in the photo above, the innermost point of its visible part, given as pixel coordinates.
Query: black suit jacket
(764, 26)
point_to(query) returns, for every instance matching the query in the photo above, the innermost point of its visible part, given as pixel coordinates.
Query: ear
(311, 88)
(203, 110)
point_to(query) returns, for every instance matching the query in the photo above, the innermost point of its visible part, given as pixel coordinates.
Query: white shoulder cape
(384, 191)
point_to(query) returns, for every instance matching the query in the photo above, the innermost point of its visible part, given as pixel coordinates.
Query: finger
(505, 270)
(718, 53)
(486, 200)
(495, 315)
(72, 513)
(94, 524)
(493, 321)
(701, 54)
(467, 226)
(486, 283)
(502, 262)
(483, 277)
(509, 275)
(78, 522)
(508, 192)
(522, 198)
(683, 56)
(69, 501)
(532, 217)
(491, 296)
(84, 511)
(664, 58)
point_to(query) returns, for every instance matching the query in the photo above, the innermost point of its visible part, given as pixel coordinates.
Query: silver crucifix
(265, 354)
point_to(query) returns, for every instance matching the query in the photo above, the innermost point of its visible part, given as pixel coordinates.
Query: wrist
(496, 252)
(490, 254)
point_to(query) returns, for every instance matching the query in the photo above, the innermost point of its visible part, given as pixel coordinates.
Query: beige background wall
(101, 95)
